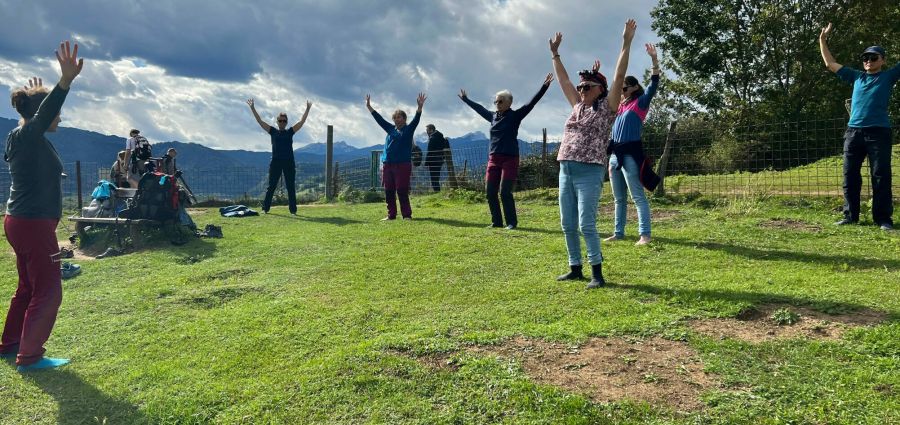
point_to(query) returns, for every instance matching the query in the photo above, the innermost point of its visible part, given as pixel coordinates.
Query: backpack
(416, 156)
(156, 198)
(142, 150)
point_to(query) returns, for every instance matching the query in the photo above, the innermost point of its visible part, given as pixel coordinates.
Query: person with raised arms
(630, 170)
(582, 154)
(503, 159)
(396, 158)
(32, 214)
(282, 161)
(868, 131)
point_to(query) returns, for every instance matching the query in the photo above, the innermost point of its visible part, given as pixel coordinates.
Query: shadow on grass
(335, 221)
(80, 402)
(798, 256)
(688, 295)
(486, 225)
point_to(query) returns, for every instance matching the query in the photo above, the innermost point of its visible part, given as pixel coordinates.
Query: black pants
(506, 198)
(435, 170)
(277, 167)
(874, 142)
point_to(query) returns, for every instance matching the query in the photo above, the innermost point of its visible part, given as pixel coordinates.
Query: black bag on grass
(156, 198)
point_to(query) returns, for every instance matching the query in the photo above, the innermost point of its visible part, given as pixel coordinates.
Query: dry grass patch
(790, 224)
(654, 370)
(758, 325)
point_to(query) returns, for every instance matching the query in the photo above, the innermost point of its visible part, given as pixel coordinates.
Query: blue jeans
(579, 196)
(623, 180)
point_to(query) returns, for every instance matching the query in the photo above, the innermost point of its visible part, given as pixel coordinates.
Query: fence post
(451, 171)
(664, 161)
(373, 169)
(78, 184)
(544, 159)
(329, 172)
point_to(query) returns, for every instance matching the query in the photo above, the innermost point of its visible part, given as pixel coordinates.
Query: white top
(130, 144)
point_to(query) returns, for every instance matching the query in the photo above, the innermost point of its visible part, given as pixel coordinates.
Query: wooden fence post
(329, 172)
(78, 185)
(664, 161)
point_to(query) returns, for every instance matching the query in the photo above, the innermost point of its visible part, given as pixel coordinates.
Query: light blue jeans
(579, 196)
(623, 181)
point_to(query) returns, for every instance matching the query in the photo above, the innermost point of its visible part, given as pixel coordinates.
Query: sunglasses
(498, 101)
(282, 120)
(871, 58)
(586, 86)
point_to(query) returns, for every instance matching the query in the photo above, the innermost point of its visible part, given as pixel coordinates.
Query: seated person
(118, 173)
(168, 162)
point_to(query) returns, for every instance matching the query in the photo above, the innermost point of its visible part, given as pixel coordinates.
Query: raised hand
(420, 100)
(651, 50)
(69, 64)
(826, 32)
(630, 28)
(548, 79)
(462, 94)
(596, 67)
(368, 100)
(251, 103)
(308, 105)
(34, 82)
(555, 41)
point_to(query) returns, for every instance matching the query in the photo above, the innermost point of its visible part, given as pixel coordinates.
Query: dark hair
(632, 81)
(400, 112)
(27, 101)
(595, 77)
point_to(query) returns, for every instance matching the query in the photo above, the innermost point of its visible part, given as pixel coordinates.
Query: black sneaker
(845, 222)
(887, 226)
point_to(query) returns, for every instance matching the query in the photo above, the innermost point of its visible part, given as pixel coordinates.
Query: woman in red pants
(32, 213)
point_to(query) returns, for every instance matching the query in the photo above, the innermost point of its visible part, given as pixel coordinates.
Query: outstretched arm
(420, 102)
(830, 63)
(300, 123)
(265, 126)
(615, 90)
(644, 100)
(524, 110)
(386, 126)
(475, 106)
(562, 77)
(69, 66)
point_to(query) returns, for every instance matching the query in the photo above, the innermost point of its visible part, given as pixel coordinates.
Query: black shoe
(596, 277)
(495, 226)
(573, 274)
(887, 226)
(110, 252)
(845, 222)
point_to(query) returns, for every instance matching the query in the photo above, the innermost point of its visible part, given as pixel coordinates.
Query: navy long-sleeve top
(397, 143)
(505, 127)
(34, 165)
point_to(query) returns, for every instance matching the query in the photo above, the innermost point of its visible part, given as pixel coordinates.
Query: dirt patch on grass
(655, 370)
(758, 324)
(790, 224)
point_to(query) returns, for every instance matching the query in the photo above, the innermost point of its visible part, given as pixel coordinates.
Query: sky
(183, 69)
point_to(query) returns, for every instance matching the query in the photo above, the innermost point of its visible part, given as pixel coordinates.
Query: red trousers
(395, 178)
(32, 311)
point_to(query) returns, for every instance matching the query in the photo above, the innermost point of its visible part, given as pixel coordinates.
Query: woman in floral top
(582, 154)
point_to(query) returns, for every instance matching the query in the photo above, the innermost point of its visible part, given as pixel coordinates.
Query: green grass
(305, 320)
(823, 177)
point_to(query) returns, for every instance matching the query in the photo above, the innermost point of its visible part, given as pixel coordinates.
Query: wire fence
(796, 158)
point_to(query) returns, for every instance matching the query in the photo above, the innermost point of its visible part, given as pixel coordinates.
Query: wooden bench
(81, 224)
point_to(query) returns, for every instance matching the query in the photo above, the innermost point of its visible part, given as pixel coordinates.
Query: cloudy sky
(183, 69)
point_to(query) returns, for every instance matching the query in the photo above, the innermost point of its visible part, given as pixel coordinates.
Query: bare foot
(644, 240)
(613, 238)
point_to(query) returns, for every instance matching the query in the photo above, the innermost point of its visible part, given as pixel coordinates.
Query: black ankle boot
(573, 274)
(596, 277)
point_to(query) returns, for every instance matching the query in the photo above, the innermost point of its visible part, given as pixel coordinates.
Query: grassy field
(823, 177)
(336, 317)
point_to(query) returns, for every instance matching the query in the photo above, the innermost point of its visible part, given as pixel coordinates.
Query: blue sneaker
(43, 363)
(70, 270)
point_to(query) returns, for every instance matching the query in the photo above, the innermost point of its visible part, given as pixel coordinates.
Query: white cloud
(182, 72)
